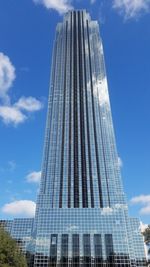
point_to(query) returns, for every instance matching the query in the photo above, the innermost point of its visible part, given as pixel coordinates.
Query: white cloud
(72, 228)
(61, 6)
(13, 113)
(146, 210)
(29, 104)
(120, 163)
(143, 200)
(100, 90)
(106, 210)
(33, 177)
(131, 8)
(143, 226)
(20, 207)
(7, 76)
(101, 85)
(93, 1)
(12, 165)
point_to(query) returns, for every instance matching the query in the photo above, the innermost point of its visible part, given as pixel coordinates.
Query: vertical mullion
(87, 114)
(70, 119)
(76, 170)
(82, 130)
(63, 128)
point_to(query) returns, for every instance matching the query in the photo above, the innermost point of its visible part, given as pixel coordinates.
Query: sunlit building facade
(81, 214)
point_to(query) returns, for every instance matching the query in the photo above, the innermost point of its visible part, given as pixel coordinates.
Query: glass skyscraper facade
(81, 215)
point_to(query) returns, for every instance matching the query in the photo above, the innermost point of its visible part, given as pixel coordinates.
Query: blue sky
(27, 30)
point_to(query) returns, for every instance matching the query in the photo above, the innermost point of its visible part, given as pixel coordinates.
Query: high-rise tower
(81, 216)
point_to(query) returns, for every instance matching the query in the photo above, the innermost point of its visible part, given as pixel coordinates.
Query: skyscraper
(82, 215)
